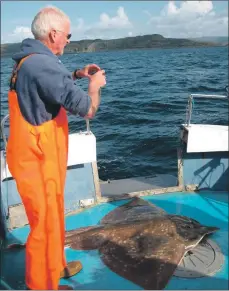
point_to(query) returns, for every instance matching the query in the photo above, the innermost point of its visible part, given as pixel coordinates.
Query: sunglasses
(67, 35)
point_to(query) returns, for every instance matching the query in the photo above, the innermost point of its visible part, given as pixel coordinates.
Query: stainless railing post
(88, 126)
(190, 103)
(2, 129)
(190, 100)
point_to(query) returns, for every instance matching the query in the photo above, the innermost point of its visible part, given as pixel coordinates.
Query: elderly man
(41, 91)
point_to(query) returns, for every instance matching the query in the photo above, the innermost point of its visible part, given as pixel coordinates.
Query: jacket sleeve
(57, 86)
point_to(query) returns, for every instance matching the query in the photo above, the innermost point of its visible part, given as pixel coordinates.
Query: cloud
(80, 26)
(119, 21)
(188, 8)
(106, 27)
(181, 19)
(147, 13)
(19, 33)
(190, 19)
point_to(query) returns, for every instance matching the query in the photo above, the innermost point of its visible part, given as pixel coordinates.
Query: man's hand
(97, 80)
(87, 71)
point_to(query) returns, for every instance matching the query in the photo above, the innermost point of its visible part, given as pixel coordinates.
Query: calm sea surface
(144, 103)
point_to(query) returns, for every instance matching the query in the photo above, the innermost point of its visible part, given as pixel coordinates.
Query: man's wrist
(75, 75)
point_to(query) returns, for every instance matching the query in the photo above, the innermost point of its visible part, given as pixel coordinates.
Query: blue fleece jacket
(44, 85)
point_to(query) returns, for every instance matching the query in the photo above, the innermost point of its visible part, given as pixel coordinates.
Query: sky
(115, 19)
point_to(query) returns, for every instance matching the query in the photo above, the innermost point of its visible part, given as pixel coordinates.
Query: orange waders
(37, 159)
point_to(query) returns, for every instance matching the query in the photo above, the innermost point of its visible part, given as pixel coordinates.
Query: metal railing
(205, 96)
(3, 121)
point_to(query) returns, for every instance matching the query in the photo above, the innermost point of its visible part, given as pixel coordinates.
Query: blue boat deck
(209, 208)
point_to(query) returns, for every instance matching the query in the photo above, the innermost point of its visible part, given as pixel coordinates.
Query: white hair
(47, 19)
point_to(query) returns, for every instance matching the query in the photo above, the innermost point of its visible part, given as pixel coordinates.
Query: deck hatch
(205, 259)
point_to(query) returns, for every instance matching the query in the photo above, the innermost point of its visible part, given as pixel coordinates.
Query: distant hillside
(137, 42)
(223, 40)
(9, 48)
